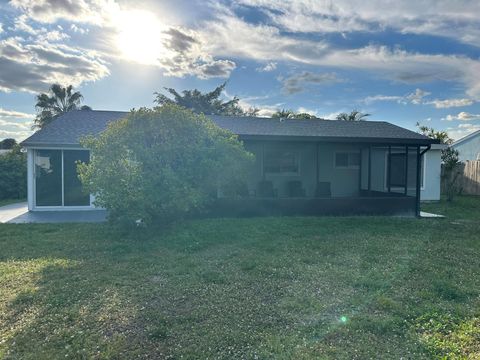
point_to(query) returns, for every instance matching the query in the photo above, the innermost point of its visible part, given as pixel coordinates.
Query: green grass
(333, 288)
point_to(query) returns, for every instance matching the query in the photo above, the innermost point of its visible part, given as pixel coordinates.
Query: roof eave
(364, 140)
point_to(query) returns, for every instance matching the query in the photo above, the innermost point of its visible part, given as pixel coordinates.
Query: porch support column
(370, 170)
(417, 188)
(30, 178)
(406, 170)
(389, 186)
(263, 161)
(360, 172)
(317, 175)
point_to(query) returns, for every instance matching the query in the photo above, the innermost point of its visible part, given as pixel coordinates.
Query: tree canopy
(450, 159)
(354, 115)
(434, 134)
(13, 167)
(57, 101)
(7, 144)
(158, 165)
(208, 103)
(290, 114)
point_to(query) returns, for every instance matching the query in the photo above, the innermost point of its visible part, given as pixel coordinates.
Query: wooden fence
(468, 180)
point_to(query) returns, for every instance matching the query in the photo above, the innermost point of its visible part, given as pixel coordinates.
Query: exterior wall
(469, 149)
(430, 190)
(344, 182)
(431, 175)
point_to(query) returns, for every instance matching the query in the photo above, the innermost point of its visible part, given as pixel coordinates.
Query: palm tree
(57, 101)
(355, 115)
(208, 103)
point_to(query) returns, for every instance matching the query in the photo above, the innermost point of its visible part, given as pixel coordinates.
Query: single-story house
(302, 166)
(468, 147)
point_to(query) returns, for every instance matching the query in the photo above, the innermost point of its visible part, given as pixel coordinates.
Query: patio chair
(265, 189)
(295, 189)
(323, 189)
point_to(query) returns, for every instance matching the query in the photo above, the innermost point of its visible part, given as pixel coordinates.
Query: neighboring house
(468, 147)
(302, 166)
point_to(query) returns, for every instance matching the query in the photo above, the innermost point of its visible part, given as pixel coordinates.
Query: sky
(401, 61)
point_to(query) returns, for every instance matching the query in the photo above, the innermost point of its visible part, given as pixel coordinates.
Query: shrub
(13, 178)
(159, 165)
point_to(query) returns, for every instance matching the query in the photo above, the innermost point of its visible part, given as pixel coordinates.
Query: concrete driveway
(18, 214)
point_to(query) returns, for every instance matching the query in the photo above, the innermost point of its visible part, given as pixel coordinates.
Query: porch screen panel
(73, 194)
(412, 172)
(48, 177)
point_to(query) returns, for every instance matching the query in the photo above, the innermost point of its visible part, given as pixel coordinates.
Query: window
(281, 161)
(397, 170)
(56, 178)
(347, 160)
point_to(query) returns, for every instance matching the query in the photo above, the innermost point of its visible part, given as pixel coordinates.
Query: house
(468, 147)
(302, 166)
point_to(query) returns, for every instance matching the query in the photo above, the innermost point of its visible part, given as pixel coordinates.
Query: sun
(140, 36)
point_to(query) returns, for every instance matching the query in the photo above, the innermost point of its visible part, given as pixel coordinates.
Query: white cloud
(454, 19)
(15, 114)
(462, 130)
(270, 66)
(78, 29)
(371, 99)
(228, 35)
(448, 103)
(34, 67)
(223, 36)
(15, 124)
(79, 11)
(462, 116)
(21, 24)
(1, 28)
(416, 97)
(296, 83)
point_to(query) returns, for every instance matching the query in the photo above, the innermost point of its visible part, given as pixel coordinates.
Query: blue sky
(402, 61)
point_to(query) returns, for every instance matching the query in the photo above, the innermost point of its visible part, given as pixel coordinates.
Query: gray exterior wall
(344, 182)
(431, 172)
(469, 149)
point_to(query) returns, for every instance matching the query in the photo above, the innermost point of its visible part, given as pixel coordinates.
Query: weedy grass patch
(297, 287)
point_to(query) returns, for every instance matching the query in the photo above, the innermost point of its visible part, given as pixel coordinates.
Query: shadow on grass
(232, 288)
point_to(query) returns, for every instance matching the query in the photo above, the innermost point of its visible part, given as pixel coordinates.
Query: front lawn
(336, 288)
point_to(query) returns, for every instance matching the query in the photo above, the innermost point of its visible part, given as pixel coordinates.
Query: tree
(290, 114)
(159, 165)
(57, 101)
(13, 167)
(354, 115)
(434, 134)
(450, 160)
(7, 144)
(202, 103)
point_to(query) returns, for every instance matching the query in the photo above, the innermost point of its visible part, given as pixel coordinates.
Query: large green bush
(158, 165)
(13, 174)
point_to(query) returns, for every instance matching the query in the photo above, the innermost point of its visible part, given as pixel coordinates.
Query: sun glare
(139, 37)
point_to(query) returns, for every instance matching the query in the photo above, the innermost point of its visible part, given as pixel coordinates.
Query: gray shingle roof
(70, 127)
